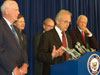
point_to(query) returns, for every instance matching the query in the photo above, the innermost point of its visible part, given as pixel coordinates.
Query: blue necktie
(15, 34)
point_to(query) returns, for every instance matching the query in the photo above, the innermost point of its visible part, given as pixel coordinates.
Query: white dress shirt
(60, 34)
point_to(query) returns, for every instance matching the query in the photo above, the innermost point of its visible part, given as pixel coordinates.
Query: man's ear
(6, 11)
(43, 26)
(57, 22)
(77, 22)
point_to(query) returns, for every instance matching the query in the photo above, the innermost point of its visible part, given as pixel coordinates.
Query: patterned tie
(64, 38)
(83, 36)
(15, 34)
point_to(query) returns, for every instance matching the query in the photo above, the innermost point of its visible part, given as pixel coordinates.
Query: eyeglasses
(49, 25)
(83, 22)
(66, 22)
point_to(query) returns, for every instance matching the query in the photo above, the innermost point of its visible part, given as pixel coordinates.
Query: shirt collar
(58, 30)
(79, 29)
(9, 24)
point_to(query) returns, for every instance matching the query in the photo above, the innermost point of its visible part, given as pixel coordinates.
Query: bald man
(13, 59)
(48, 24)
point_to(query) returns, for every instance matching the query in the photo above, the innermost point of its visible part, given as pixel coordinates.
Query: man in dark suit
(13, 59)
(48, 24)
(50, 46)
(83, 35)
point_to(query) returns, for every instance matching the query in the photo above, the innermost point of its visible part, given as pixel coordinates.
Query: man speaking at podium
(83, 35)
(51, 43)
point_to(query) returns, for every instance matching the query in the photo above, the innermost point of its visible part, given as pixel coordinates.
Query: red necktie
(65, 44)
(83, 36)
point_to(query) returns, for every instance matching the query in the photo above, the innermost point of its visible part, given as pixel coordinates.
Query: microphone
(74, 54)
(87, 50)
(66, 49)
(79, 48)
(87, 46)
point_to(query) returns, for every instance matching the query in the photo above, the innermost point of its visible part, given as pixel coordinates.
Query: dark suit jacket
(48, 39)
(77, 37)
(38, 64)
(25, 42)
(11, 53)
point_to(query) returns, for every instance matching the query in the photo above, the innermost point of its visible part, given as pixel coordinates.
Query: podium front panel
(77, 67)
(83, 63)
(65, 68)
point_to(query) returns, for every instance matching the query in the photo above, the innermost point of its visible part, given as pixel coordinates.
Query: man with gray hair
(51, 42)
(13, 59)
(83, 35)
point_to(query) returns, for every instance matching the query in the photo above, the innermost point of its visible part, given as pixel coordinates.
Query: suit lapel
(8, 30)
(67, 38)
(19, 34)
(56, 37)
(79, 35)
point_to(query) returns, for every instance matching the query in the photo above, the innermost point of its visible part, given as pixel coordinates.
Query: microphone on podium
(87, 46)
(87, 50)
(74, 54)
(79, 48)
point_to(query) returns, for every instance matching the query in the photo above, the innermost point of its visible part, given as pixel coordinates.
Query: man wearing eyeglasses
(83, 35)
(51, 42)
(48, 24)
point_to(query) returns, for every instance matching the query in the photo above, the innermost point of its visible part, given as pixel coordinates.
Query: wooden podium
(88, 64)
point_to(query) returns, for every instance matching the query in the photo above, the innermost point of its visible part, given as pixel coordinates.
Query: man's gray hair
(58, 16)
(6, 5)
(82, 16)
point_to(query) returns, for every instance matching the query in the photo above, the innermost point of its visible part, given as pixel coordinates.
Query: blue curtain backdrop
(35, 11)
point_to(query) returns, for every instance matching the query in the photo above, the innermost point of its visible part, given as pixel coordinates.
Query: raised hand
(58, 52)
(61, 51)
(54, 52)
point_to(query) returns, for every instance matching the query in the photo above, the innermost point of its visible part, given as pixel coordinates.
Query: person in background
(50, 50)
(13, 59)
(48, 24)
(83, 35)
(20, 24)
